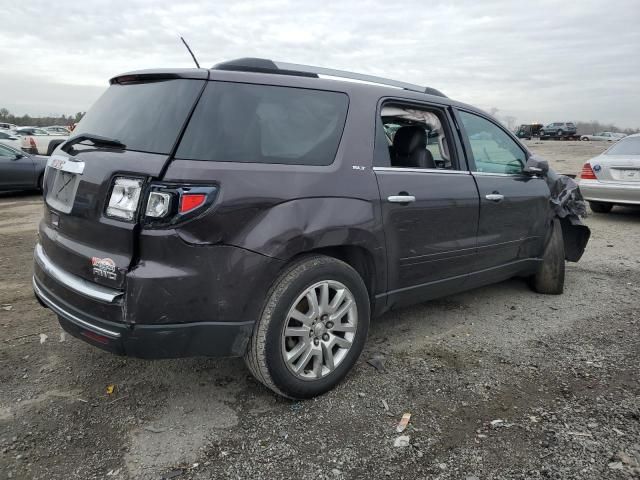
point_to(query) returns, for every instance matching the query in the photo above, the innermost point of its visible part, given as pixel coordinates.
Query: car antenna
(188, 48)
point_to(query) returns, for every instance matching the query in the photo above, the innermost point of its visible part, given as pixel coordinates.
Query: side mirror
(536, 166)
(18, 156)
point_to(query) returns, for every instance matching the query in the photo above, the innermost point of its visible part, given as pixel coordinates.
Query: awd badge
(104, 267)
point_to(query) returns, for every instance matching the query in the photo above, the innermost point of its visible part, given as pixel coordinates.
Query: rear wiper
(95, 139)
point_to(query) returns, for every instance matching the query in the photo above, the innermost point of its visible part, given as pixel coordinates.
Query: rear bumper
(610, 192)
(181, 301)
(220, 339)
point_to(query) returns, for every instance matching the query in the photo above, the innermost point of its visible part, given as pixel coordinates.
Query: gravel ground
(501, 383)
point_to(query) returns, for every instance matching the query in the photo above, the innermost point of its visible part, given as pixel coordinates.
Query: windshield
(626, 146)
(144, 116)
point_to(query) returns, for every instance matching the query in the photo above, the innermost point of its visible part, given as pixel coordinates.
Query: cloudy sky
(542, 60)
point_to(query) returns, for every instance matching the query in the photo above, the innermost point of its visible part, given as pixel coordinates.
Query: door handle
(401, 198)
(494, 197)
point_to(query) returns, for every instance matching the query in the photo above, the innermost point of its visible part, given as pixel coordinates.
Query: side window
(412, 137)
(5, 152)
(493, 150)
(237, 122)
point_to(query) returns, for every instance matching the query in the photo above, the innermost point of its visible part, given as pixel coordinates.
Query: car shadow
(620, 213)
(20, 194)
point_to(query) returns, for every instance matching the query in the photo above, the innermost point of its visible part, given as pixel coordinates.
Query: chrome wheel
(319, 330)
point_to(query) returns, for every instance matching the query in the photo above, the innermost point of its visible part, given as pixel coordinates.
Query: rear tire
(600, 207)
(549, 279)
(328, 349)
(585, 139)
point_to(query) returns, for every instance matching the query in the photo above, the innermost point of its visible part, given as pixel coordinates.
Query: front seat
(410, 145)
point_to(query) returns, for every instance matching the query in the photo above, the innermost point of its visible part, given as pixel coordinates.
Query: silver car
(603, 137)
(613, 177)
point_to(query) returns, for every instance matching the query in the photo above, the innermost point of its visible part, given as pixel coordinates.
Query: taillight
(587, 172)
(169, 204)
(32, 143)
(191, 201)
(124, 198)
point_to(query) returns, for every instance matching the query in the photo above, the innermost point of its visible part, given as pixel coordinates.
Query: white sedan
(613, 178)
(603, 137)
(10, 138)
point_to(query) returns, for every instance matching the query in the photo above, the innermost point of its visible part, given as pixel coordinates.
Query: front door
(429, 204)
(514, 206)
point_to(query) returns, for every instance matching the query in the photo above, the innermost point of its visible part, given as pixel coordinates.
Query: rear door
(514, 206)
(82, 232)
(430, 215)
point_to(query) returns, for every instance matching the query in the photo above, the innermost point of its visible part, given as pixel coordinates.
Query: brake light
(169, 204)
(191, 201)
(32, 143)
(587, 172)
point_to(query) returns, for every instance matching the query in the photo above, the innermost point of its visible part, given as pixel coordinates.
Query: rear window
(144, 116)
(626, 146)
(236, 122)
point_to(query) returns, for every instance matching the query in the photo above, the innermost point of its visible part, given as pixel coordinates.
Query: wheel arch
(359, 258)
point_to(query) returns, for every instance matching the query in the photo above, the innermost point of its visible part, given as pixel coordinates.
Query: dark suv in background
(258, 209)
(558, 129)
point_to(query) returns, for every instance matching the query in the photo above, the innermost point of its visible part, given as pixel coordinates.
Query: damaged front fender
(567, 204)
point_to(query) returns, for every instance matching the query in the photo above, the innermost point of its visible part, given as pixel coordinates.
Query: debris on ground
(404, 421)
(377, 361)
(43, 338)
(402, 441)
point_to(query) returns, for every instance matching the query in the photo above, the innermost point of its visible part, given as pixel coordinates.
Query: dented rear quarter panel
(281, 211)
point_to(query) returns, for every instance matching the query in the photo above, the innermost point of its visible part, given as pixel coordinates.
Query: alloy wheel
(319, 330)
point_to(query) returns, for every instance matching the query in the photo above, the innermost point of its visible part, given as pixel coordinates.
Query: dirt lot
(501, 383)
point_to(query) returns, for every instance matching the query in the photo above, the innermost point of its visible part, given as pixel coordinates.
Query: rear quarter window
(237, 122)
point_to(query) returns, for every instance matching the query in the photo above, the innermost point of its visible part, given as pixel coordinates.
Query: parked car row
(35, 140)
(563, 130)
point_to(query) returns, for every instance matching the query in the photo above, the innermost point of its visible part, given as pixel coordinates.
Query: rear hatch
(125, 139)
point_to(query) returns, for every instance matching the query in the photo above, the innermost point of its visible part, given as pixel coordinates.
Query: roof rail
(269, 66)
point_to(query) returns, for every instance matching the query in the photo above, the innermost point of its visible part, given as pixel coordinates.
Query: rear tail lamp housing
(169, 204)
(587, 172)
(124, 198)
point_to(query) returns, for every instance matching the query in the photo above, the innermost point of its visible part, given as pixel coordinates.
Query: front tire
(312, 329)
(600, 207)
(549, 279)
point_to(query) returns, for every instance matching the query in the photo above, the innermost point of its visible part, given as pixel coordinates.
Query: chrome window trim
(71, 317)
(421, 170)
(72, 282)
(491, 174)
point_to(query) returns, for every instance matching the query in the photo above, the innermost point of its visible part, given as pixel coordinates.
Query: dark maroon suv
(260, 209)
